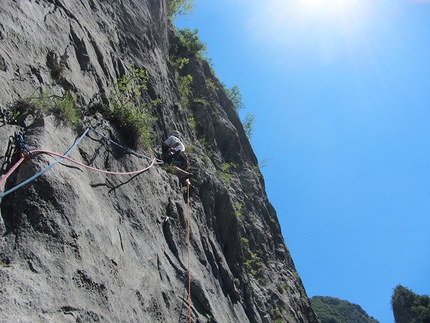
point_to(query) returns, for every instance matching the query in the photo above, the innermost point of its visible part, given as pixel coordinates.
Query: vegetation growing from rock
(236, 97)
(248, 125)
(409, 307)
(191, 40)
(334, 310)
(63, 106)
(177, 8)
(128, 109)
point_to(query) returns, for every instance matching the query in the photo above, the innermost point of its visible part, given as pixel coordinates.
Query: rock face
(83, 246)
(409, 307)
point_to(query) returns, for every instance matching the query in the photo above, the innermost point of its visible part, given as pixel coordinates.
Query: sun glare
(323, 29)
(328, 8)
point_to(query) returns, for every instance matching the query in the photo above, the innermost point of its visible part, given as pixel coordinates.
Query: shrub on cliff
(179, 7)
(191, 40)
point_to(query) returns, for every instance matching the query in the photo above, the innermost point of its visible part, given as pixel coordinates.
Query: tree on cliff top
(409, 307)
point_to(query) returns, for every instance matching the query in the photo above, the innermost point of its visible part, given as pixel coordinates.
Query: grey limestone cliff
(82, 246)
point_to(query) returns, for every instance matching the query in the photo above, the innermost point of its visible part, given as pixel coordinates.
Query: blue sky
(341, 94)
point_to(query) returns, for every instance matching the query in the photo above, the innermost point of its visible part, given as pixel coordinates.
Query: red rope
(93, 168)
(5, 176)
(189, 277)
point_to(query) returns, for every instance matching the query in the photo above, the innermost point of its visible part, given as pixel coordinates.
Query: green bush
(177, 8)
(64, 107)
(128, 110)
(236, 97)
(248, 125)
(238, 209)
(253, 265)
(184, 88)
(191, 40)
(224, 171)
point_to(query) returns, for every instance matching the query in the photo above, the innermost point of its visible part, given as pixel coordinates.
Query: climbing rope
(93, 168)
(5, 177)
(189, 253)
(47, 168)
(125, 148)
(26, 152)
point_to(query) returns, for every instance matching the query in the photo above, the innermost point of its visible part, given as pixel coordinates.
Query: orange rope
(189, 279)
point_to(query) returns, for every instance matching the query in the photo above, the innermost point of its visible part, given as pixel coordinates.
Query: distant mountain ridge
(334, 310)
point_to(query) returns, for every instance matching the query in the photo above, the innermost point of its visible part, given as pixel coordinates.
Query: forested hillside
(334, 310)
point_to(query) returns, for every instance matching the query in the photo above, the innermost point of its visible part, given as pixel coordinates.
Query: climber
(173, 151)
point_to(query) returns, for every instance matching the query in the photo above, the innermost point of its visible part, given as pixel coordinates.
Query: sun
(328, 8)
(313, 13)
(321, 29)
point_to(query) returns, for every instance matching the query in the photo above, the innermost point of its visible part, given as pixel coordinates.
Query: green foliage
(64, 107)
(410, 307)
(177, 8)
(257, 168)
(226, 177)
(227, 167)
(203, 142)
(191, 40)
(189, 149)
(334, 310)
(236, 281)
(248, 125)
(238, 209)
(181, 62)
(225, 171)
(17, 111)
(245, 242)
(205, 159)
(253, 265)
(280, 315)
(236, 97)
(128, 110)
(192, 122)
(184, 88)
(211, 85)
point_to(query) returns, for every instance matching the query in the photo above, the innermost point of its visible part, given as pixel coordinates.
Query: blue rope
(46, 169)
(24, 147)
(125, 148)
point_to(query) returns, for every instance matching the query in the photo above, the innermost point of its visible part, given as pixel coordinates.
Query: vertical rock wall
(81, 246)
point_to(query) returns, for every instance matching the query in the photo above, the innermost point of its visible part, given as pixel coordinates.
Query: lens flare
(322, 29)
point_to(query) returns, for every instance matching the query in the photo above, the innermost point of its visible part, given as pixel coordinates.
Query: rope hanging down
(65, 156)
(189, 253)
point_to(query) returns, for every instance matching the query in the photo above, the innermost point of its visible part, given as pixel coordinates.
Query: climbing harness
(25, 153)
